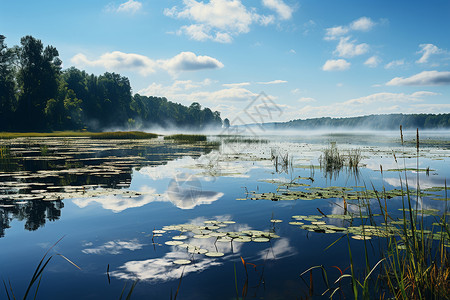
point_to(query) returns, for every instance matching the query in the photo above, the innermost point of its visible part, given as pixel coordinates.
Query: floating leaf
(296, 223)
(181, 261)
(173, 243)
(261, 239)
(360, 237)
(214, 254)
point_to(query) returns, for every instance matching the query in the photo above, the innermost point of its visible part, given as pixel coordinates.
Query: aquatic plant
(124, 135)
(186, 137)
(418, 269)
(281, 162)
(331, 161)
(414, 262)
(244, 140)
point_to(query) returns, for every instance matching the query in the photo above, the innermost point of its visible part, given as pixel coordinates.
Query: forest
(36, 94)
(379, 122)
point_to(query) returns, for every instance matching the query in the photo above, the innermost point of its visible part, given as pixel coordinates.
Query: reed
(412, 263)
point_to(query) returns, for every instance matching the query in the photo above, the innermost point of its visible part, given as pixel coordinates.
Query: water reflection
(164, 269)
(185, 192)
(280, 249)
(34, 213)
(39, 172)
(113, 247)
(180, 197)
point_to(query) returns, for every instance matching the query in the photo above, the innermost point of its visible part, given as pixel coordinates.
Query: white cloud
(130, 6)
(281, 8)
(197, 32)
(231, 93)
(189, 61)
(362, 24)
(201, 32)
(394, 63)
(240, 84)
(347, 48)
(336, 65)
(278, 81)
(334, 32)
(223, 37)
(116, 60)
(423, 78)
(230, 17)
(427, 50)
(220, 20)
(372, 61)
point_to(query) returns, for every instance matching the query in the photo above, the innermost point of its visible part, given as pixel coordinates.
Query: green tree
(38, 82)
(7, 84)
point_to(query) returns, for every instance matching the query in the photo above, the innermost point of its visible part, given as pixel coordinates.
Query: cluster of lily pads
(316, 223)
(211, 229)
(288, 191)
(77, 167)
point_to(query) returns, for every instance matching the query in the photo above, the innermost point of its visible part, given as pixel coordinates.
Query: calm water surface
(106, 199)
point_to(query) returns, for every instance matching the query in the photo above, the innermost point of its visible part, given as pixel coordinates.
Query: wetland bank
(232, 217)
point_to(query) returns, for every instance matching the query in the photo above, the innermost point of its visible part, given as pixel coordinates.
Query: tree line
(37, 95)
(380, 122)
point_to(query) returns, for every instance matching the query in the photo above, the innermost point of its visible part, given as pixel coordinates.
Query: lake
(234, 217)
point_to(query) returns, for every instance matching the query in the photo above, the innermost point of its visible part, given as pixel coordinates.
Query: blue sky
(311, 58)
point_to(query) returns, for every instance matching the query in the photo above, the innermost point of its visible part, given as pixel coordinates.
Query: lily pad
(182, 261)
(214, 254)
(173, 243)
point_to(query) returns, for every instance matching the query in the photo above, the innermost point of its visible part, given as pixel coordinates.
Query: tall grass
(422, 269)
(332, 161)
(412, 263)
(283, 163)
